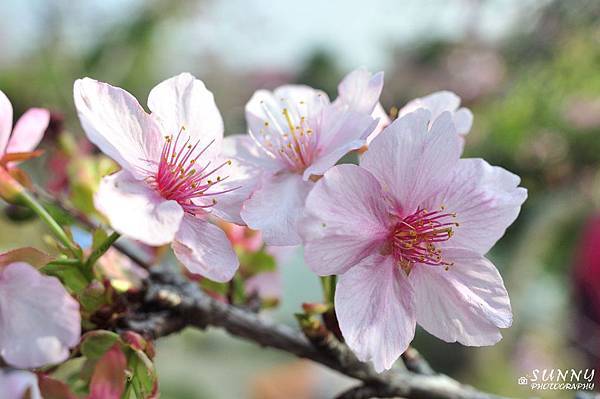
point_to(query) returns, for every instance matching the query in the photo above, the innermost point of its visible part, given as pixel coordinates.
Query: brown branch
(172, 303)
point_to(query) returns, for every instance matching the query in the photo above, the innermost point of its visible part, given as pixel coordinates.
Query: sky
(272, 34)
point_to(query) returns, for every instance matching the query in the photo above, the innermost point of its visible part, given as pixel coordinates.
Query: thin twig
(172, 303)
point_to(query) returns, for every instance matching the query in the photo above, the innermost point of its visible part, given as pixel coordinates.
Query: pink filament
(179, 178)
(414, 238)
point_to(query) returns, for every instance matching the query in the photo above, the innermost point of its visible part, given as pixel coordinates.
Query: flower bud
(10, 188)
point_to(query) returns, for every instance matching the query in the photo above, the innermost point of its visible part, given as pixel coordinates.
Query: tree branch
(171, 303)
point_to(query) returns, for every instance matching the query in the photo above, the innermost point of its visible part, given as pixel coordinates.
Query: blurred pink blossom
(40, 321)
(26, 134)
(15, 384)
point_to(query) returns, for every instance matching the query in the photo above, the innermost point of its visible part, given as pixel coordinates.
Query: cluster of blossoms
(406, 230)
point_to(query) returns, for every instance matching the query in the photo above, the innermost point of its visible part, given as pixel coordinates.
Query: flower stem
(101, 249)
(28, 200)
(328, 284)
(66, 262)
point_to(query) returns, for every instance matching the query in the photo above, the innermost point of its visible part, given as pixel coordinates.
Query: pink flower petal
(40, 320)
(374, 304)
(383, 120)
(204, 249)
(411, 161)
(137, 211)
(341, 132)
(463, 120)
(114, 121)
(486, 200)
(14, 384)
(184, 101)
(245, 149)
(6, 121)
(360, 90)
(29, 130)
(467, 303)
(242, 178)
(265, 285)
(345, 220)
(276, 207)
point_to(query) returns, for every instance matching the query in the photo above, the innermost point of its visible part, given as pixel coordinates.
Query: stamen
(294, 145)
(179, 179)
(414, 238)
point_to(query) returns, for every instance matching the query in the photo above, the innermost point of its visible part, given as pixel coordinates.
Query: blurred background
(529, 71)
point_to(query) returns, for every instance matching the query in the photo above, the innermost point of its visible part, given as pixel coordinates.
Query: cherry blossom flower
(39, 320)
(26, 134)
(407, 230)
(265, 285)
(295, 135)
(173, 173)
(15, 384)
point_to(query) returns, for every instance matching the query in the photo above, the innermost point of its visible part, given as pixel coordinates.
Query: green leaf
(213, 286)
(95, 344)
(99, 237)
(143, 375)
(257, 262)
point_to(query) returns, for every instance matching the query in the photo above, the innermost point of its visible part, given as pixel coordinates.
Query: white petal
(345, 220)
(360, 90)
(466, 303)
(137, 211)
(242, 176)
(184, 101)
(411, 161)
(29, 130)
(374, 304)
(486, 200)
(114, 121)
(243, 148)
(276, 207)
(40, 320)
(463, 120)
(204, 249)
(15, 383)
(340, 132)
(6, 121)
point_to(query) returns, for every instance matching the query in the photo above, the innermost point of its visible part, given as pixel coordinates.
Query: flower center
(181, 176)
(414, 239)
(289, 139)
